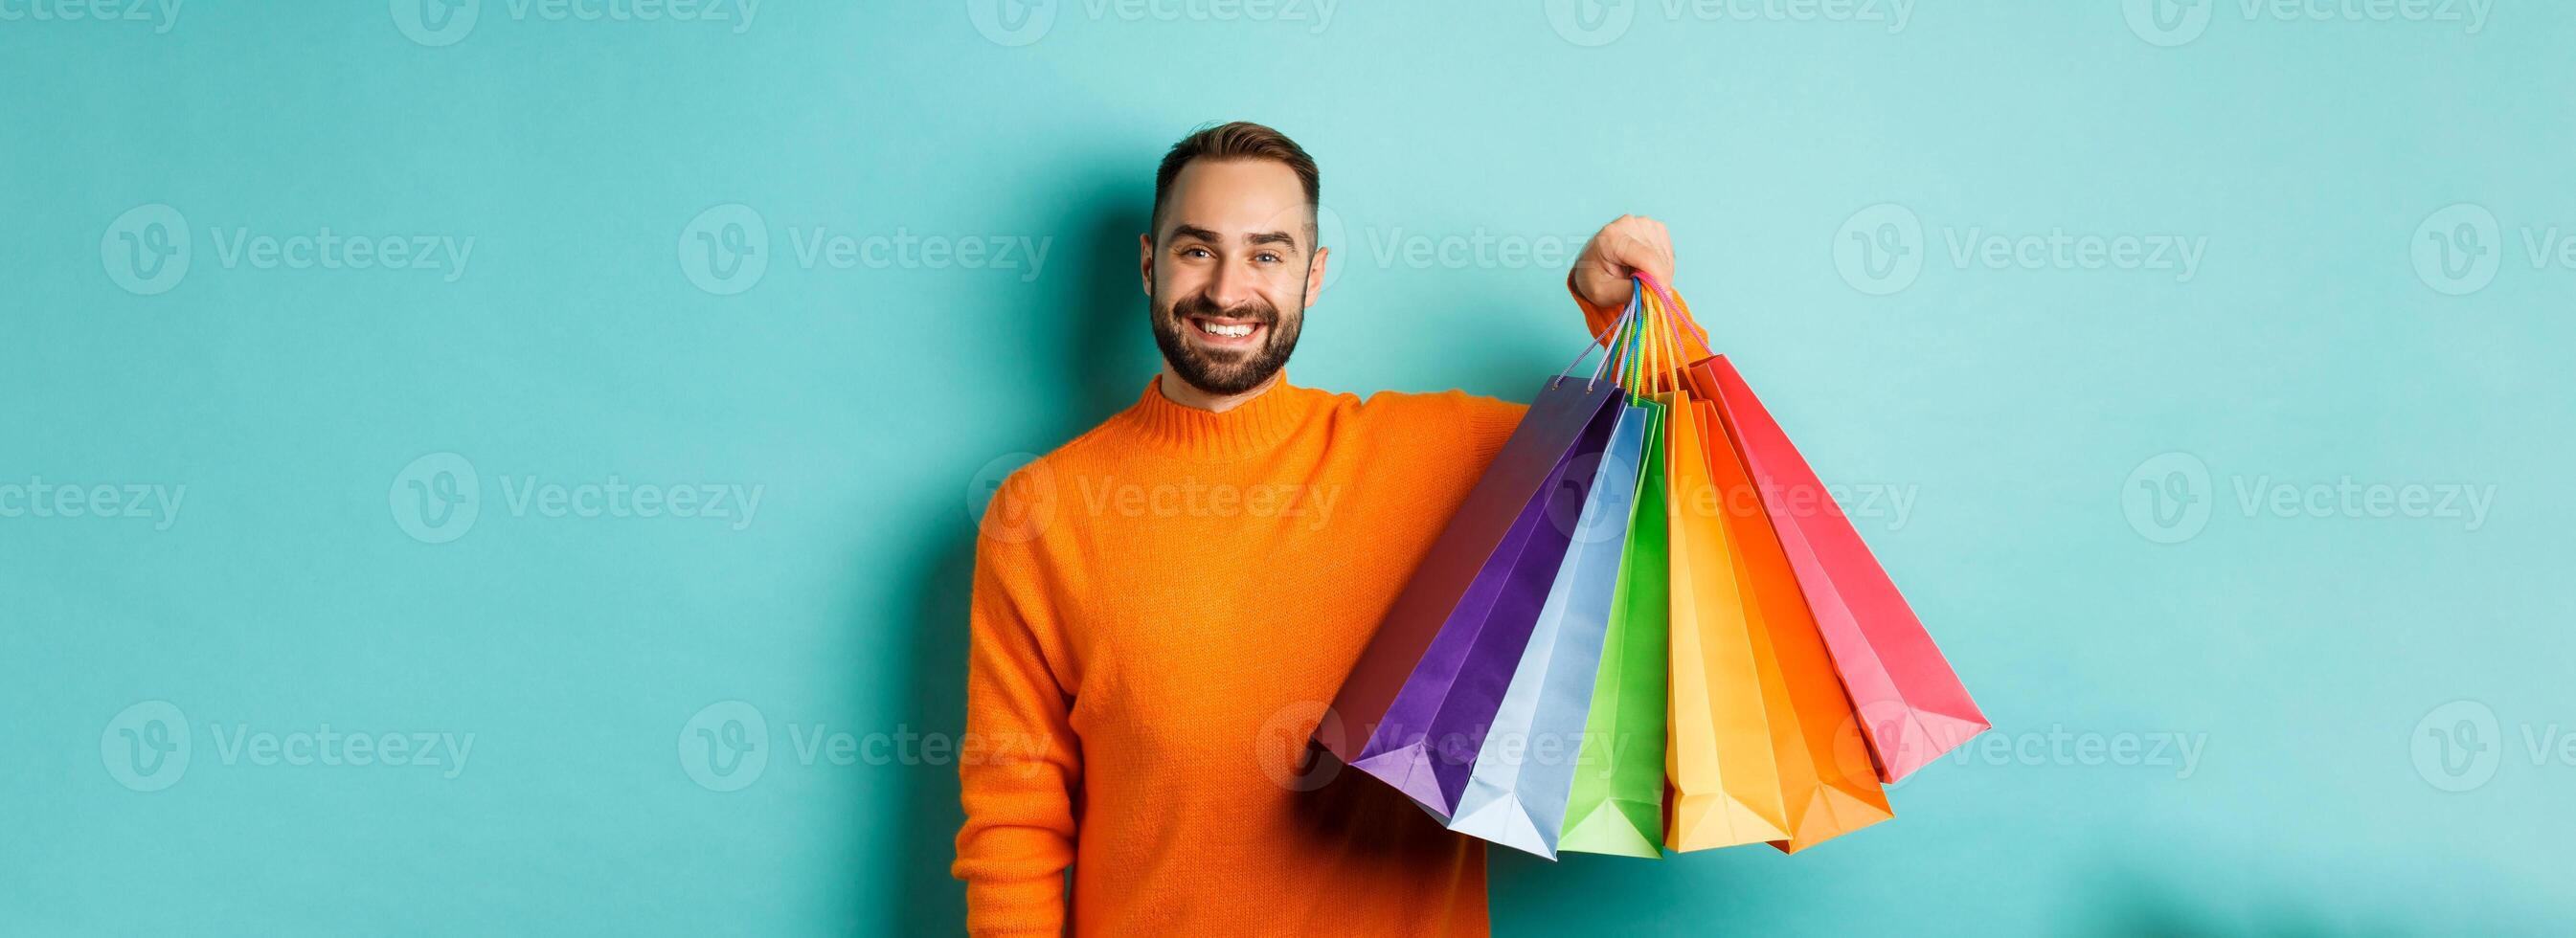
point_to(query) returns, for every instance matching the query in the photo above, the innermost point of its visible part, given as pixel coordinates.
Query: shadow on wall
(1535, 896)
(1106, 357)
(2136, 906)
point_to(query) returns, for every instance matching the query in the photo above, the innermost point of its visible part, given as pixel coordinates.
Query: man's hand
(1626, 245)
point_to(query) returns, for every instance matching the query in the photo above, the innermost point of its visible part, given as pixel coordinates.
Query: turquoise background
(2319, 660)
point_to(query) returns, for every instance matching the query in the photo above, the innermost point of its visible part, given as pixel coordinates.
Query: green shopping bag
(1617, 803)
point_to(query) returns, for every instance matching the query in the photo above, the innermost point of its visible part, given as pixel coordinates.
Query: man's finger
(1643, 257)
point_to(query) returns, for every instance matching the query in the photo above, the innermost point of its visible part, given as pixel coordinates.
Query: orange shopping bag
(1827, 781)
(1725, 774)
(1910, 706)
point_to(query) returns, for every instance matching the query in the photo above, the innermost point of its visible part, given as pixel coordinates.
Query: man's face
(1229, 273)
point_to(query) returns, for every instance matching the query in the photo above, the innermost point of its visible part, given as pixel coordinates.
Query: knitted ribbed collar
(1249, 429)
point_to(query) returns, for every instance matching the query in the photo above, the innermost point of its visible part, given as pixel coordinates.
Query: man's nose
(1229, 287)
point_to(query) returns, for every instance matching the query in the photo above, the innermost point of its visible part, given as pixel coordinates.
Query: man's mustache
(1253, 311)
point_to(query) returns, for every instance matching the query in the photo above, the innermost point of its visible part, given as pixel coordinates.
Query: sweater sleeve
(1018, 788)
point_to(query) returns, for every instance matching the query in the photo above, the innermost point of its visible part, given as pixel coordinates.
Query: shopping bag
(1826, 781)
(1911, 706)
(1414, 708)
(1492, 626)
(1726, 780)
(1517, 790)
(1908, 704)
(1616, 802)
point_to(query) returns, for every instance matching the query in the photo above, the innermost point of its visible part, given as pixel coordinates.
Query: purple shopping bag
(1414, 709)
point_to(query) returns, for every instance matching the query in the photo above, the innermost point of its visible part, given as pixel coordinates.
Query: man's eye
(1194, 252)
(1269, 258)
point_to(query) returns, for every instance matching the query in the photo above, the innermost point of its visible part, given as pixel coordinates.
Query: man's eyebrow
(1260, 237)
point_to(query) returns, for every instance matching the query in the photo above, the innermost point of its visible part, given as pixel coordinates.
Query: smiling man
(1163, 606)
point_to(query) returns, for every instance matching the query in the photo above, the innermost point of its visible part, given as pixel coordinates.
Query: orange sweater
(1162, 609)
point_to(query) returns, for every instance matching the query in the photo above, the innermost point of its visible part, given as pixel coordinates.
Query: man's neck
(1180, 391)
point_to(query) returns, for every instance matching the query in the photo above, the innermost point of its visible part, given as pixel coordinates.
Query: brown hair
(1240, 140)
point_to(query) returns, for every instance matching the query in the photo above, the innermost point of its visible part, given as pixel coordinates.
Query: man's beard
(1227, 372)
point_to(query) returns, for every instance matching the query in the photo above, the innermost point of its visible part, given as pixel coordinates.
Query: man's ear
(1315, 276)
(1145, 260)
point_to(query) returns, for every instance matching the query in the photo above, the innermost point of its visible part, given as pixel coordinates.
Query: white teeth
(1238, 330)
